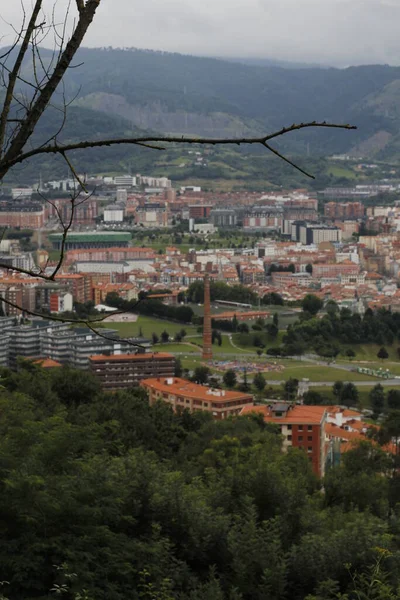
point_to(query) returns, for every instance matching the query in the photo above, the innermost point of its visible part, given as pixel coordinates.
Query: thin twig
(59, 149)
(15, 71)
(84, 322)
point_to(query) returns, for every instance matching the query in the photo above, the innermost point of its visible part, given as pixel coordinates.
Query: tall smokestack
(207, 334)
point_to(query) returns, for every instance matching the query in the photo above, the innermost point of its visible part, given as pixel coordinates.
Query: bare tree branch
(25, 131)
(59, 149)
(85, 322)
(15, 71)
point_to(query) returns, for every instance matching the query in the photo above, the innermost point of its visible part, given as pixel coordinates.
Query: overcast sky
(337, 32)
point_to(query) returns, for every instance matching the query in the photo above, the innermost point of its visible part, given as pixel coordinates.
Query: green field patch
(150, 325)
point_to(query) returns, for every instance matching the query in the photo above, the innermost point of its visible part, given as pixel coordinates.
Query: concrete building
(23, 216)
(311, 233)
(263, 217)
(21, 193)
(126, 370)
(182, 394)
(113, 213)
(125, 181)
(282, 279)
(344, 210)
(25, 340)
(224, 217)
(200, 211)
(85, 211)
(302, 427)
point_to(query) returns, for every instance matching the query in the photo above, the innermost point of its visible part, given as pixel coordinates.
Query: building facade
(302, 427)
(123, 371)
(182, 394)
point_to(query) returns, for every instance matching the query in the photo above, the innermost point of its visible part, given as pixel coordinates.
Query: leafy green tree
(275, 320)
(383, 354)
(393, 399)
(349, 395)
(155, 338)
(201, 375)
(309, 268)
(229, 378)
(244, 386)
(350, 353)
(243, 328)
(377, 400)
(311, 304)
(332, 308)
(235, 323)
(290, 388)
(337, 391)
(272, 330)
(73, 387)
(390, 428)
(165, 337)
(259, 382)
(313, 397)
(178, 367)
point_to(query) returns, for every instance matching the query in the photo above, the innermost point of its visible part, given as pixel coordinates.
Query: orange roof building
(47, 363)
(180, 393)
(302, 427)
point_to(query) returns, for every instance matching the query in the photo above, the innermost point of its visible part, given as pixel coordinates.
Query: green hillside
(129, 92)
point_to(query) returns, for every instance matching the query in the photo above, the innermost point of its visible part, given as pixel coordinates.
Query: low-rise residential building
(126, 370)
(301, 426)
(180, 393)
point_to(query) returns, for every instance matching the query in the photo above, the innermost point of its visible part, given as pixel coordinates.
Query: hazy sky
(339, 32)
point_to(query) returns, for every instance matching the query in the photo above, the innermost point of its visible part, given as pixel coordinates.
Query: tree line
(139, 502)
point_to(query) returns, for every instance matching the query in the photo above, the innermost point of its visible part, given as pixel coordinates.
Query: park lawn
(227, 348)
(369, 352)
(317, 373)
(338, 171)
(392, 367)
(151, 325)
(244, 340)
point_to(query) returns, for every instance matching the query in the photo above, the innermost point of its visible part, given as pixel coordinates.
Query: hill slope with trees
(109, 498)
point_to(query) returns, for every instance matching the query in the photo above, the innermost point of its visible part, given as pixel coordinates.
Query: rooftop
(93, 236)
(182, 387)
(294, 414)
(130, 357)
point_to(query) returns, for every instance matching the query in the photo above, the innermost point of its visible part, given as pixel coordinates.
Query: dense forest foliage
(324, 335)
(151, 307)
(222, 291)
(106, 498)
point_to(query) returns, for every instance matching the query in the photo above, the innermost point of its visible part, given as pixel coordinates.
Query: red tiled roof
(295, 415)
(182, 387)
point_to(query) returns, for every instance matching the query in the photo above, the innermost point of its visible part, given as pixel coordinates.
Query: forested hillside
(105, 498)
(117, 92)
(185, 94)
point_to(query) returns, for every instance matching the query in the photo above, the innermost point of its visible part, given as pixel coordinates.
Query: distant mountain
(273, 62)
(185, 94)
(132, 90)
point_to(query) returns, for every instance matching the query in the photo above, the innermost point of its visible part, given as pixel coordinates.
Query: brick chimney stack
(207, 334)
